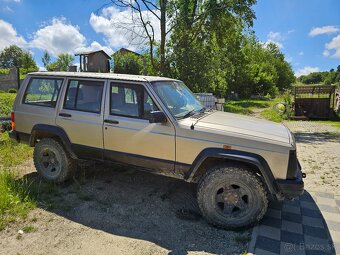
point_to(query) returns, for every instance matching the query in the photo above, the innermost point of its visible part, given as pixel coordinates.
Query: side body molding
(43, 130)
(235, 156)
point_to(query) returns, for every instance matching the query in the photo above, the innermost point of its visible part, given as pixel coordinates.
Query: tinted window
(131, 101)
(84, 96)
(43, 92)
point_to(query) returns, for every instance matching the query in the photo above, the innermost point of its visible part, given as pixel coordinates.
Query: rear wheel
(232, 197)
(52, 162)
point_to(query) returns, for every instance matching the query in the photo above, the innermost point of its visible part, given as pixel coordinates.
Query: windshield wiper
(188, 114)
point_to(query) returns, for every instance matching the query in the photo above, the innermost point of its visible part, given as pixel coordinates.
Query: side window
(125, 100)
(42, 92)
(149, 106)
(84, 96)
(131, 101)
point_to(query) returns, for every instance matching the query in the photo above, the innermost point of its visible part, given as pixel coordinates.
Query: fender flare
(44, 130)
(237, 156)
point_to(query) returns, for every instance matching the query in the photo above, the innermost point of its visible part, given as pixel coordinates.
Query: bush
(1, 91)
(6, 103)
(12, 90)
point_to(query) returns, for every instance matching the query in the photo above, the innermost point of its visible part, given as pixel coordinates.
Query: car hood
(250, 126)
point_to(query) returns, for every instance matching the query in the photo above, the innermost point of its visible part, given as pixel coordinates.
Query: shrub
(1, 91)
(12, 90)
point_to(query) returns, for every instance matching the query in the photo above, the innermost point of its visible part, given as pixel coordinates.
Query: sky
(307, 31)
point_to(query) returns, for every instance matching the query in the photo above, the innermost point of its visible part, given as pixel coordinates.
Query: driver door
(129, 137)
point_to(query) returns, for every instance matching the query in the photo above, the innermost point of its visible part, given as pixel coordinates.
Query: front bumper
(291, 188)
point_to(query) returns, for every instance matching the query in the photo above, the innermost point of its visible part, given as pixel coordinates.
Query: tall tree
(11, 56)
(168, 13)
(46, 59)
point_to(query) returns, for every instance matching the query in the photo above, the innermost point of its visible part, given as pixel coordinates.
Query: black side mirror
(157, 117)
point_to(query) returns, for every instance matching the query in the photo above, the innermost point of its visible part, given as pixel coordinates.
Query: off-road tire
(66, 165)
(232, 175)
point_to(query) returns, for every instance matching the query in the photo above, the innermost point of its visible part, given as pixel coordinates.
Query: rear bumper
(292, 187)
(19, 136)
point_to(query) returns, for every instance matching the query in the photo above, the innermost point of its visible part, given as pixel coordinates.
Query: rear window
(43, 92)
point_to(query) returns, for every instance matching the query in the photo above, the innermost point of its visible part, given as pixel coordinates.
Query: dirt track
(123, 211)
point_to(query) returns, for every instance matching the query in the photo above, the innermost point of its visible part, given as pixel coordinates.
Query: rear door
(81, 115)
(129, 137)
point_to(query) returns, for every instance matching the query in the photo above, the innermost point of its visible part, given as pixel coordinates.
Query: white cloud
(324, 30)
(306, 70)
(123, 28)
(333, 45)
(94, 47)
(9, 36)
(58, 37)
(301, 53)
(276, 38)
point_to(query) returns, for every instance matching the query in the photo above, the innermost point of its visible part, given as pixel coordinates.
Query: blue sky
(307, 31)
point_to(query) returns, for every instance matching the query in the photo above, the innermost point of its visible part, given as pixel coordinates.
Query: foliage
(4, 71)
(6, 103)
(128, 63)
(14, 56)
(326, 78)
(64, 60)
(12, 90)
(46, 59)
(216, 55)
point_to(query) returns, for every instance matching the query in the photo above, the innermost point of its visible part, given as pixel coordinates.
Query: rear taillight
(12, 121)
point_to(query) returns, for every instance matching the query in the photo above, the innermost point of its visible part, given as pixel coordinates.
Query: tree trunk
(163, 35)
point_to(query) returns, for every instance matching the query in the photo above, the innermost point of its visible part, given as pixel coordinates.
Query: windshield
(178, 98)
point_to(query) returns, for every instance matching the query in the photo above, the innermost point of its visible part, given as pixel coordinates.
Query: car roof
(113, 76)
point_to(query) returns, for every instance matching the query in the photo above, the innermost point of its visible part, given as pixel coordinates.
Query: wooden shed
(94, 61)
(314, 102)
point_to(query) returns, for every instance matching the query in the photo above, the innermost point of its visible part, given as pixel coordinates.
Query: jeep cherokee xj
(157, 125)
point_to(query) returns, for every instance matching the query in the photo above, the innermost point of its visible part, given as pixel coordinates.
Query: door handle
(111, 121)
(65, 115)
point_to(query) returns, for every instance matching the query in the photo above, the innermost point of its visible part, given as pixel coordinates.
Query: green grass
(6, 103)
(16, 198)
(245, 106)
(12, 153)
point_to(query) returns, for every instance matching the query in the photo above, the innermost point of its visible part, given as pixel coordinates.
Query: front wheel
(232, 197)
(52, 162)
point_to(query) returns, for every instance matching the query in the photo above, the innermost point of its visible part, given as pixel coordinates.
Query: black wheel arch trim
(240, 156)
(44, 130)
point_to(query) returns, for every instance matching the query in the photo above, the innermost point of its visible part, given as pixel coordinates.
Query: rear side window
(84, 96)
(43, 92)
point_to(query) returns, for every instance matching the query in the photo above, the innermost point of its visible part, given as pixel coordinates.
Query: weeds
(16, 198)
(12, 153)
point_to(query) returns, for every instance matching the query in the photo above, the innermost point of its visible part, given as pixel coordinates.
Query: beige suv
(157, 125)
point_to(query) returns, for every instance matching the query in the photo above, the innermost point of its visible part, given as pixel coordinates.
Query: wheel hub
(231, 198)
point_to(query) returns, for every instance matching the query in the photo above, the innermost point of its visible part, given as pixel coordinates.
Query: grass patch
(6, 103)
(272, 115)
(29, 229)
(12, 153)
(16, 198)
(245, 107)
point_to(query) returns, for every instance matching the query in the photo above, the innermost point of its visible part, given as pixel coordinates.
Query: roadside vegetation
(6, 103)
(17, 195)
